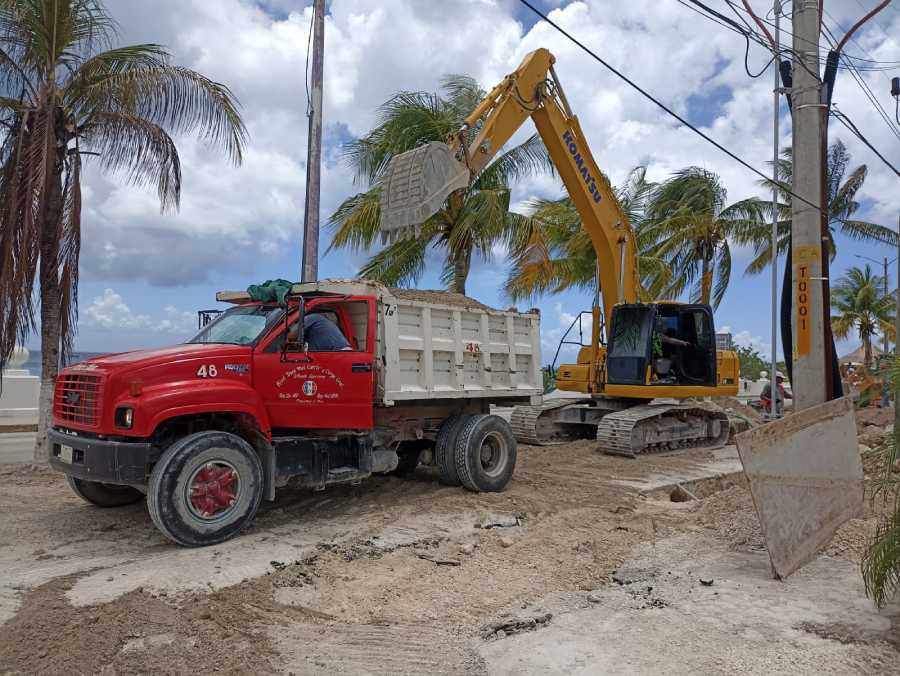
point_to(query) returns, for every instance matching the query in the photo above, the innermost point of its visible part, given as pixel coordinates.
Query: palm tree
(691, 224)
(67, 95)
(859, 300)
(881, 562)
(842, 205)
(475, 222)
(560, 254)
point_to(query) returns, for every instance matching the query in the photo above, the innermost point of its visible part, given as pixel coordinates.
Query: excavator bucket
(806, 480)
(415, 186)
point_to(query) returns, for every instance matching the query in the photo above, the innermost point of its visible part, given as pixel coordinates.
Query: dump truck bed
(441, 345)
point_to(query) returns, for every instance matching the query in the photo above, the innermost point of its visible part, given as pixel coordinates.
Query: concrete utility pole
(809, 376)
(309, 271)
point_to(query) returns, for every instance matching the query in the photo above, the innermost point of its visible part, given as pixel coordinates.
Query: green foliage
(881, 563)
(68, 96)
(751, 363)
(859, 303)
(560, 254)
(476, 224)
(691, 225)
(842, 206)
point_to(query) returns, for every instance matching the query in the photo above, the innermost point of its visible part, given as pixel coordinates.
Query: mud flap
(806, 479)
(415, 186)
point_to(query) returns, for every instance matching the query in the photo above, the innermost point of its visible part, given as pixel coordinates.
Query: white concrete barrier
(20, 392)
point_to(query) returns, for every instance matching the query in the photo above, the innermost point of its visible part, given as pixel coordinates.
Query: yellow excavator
(645, 379)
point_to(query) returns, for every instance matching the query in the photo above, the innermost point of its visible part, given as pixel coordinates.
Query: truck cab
(209, 428)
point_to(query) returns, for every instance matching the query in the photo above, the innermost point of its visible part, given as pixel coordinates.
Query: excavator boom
(620, 383)
(417, 182)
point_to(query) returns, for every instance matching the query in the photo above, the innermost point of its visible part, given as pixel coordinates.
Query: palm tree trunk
(706, 281)
(867, 348)
(461, 263)
(50, 315)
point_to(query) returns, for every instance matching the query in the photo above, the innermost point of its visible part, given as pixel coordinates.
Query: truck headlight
(124, 417)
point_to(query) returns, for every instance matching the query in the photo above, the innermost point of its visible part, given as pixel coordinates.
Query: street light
(886, 263)
(895, 92)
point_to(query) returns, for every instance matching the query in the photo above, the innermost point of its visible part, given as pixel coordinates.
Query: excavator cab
(662, 344)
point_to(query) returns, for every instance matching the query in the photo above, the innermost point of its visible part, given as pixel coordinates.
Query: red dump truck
(209, 428)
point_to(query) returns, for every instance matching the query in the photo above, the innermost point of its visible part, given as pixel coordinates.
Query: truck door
(321, 389)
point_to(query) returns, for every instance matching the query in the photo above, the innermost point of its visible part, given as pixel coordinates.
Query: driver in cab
(320, 334)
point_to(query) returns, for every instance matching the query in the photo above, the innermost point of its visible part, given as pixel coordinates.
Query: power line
(848, 123)
(863, 85)
(729, 24)
(660, 104)
(881, 65)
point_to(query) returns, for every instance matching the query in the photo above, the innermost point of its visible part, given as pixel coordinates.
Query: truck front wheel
(205, 489)
(485, 453)
(104, 495)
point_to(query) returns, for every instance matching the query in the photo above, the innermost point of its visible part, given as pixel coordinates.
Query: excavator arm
(417, 183)
(531, 91)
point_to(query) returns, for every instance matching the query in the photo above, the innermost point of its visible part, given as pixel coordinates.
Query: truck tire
(444, 449)
(205, 488)
(485, 454)
(104, 495)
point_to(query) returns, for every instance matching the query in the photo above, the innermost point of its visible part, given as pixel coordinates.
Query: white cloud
(745, 338)
(109, 311)
(233, 218)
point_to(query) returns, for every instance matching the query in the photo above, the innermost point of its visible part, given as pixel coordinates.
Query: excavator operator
(663, 362)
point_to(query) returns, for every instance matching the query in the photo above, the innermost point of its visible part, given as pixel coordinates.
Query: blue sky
(144, 275)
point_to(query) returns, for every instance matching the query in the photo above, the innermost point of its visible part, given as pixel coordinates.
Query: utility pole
(809, 375)
(886, 342)
(897, 337)
(309, 271)
(773, 381)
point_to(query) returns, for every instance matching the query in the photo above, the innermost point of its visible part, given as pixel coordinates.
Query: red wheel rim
(213, 489)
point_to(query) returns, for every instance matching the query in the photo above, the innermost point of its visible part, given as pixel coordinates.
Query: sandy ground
(407, 576)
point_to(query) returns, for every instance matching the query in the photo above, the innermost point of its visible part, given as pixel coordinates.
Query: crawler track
(657, 428)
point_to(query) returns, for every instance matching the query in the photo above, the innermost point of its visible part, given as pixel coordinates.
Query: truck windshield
(239, 325)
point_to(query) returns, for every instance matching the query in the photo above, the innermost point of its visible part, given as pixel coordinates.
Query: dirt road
(392, 576)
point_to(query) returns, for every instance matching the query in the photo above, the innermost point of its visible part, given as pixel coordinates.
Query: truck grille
(77, 399)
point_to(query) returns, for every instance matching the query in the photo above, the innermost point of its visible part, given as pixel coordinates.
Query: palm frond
(139, 149)
(400, 264)
(178, 99)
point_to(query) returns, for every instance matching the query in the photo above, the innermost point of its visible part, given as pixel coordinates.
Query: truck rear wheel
(445, 449)
(485, 453)
(104, 495)
(205, 489)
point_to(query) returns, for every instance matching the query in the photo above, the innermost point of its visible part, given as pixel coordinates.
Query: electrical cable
(863, 85)
(848, 123)
(747, 34)
(656, 101)
(882, 65)
(856, 26)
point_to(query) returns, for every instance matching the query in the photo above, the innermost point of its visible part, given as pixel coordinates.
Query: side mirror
(294, 308)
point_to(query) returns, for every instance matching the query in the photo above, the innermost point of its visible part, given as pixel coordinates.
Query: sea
(33, 363)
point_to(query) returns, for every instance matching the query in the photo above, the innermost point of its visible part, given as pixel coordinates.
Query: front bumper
(93, 459)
